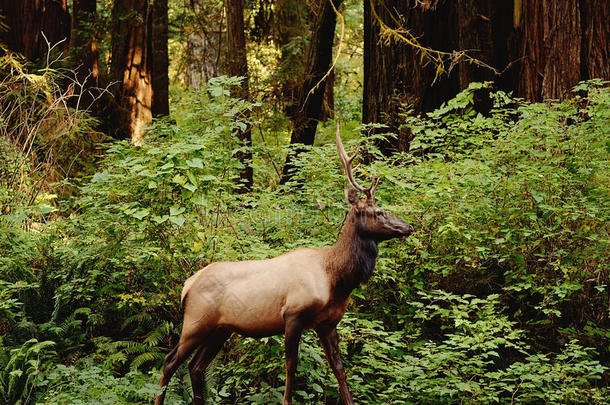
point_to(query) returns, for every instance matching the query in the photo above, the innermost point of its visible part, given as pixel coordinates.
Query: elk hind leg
(202, 359)
(174, 359)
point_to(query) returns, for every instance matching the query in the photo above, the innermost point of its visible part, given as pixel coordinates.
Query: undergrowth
(500, 295)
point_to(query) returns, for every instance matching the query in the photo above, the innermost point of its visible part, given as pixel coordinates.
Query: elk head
(371, 222)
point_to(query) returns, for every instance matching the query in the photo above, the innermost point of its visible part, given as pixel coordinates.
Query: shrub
(509, 261)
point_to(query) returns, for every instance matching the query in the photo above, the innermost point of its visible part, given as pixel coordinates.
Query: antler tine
(347, 164)
(354, 155)
(374, 185)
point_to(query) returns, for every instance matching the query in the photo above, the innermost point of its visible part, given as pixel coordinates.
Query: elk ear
(351, 196)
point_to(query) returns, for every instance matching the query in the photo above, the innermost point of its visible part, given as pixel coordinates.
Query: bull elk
(299, 290)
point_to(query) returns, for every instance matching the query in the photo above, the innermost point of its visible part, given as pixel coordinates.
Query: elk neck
(351, 260)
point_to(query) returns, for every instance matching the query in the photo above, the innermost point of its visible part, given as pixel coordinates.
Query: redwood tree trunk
(237, 65)
(541, 47)
(474, 25)
(85, 50)
(160, 59)
(394, 76)
(311, 96)
(550, 38)
(595, 49)
(559, 44)
(28, 19)
(562, 38)
(131, 68)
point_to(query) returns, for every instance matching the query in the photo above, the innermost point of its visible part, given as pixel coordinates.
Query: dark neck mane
(351, 259)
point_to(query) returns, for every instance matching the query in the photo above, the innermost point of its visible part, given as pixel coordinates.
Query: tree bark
(28, 19)
(131, 68)
(328, 106)
(395, 78)
(205, 43)
(237, 65)
(541, 48)
(562, 37)
(595, 49)
(311, 96)
(556, 46)
(573, 45)
(195, 72)
(474, 25)
(85, 50)
(160, 59)
(291, 31)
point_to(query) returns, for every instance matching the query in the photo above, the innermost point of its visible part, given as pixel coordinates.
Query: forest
(142, 140)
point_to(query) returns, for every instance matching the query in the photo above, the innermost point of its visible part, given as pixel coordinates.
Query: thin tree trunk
(205, 44)
(85, 49)
(311, 95)
(291, 25)
(130, 67)
(237, 65)
(328, 106)
(160, 59)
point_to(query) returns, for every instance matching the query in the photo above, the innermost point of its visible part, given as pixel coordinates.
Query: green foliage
(45, 137)
(91, 384)
(20, 370)
(527, 212)
(456, 129)
(470, 361)
(499, 296)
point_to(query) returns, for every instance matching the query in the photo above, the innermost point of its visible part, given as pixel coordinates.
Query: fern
(18, 376)
(147, 351)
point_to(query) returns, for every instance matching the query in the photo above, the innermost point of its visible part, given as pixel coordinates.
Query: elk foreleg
(201, 360)
(330, 342)
(292, 337)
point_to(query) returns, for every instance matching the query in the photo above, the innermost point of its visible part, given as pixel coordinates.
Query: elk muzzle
(401, 229)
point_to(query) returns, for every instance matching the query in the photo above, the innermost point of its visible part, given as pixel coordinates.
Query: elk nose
(407, 230)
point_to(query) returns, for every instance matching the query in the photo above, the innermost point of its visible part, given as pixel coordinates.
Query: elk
(299, 290)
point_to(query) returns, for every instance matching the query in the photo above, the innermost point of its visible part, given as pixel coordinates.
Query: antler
(349, 171)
